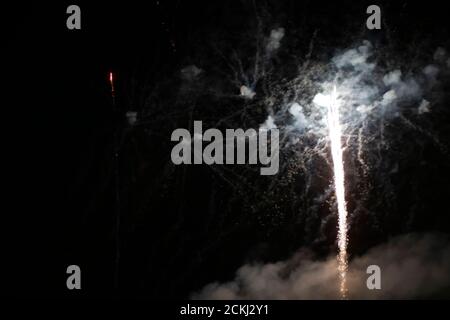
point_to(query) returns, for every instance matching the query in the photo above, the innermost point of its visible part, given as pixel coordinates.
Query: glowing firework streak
(335, 134)
(111, 82)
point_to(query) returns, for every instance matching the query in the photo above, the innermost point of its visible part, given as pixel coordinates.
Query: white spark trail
(335, 135)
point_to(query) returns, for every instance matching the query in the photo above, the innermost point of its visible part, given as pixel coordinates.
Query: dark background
(60, 124)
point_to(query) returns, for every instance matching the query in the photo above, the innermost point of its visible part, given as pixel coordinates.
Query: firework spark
(335, 135)
(111, 82)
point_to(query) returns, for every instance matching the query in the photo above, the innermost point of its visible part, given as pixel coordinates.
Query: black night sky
(185, 227)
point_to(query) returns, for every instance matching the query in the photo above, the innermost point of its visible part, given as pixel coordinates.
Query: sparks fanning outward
(335, 135)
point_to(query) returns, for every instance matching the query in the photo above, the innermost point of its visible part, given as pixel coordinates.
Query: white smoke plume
(362, 87)
(190, 72)
(412, 266)
(370, 96)
(268, 124)
(424, 107)
(274, 40)
(246, 92)
(440, 55)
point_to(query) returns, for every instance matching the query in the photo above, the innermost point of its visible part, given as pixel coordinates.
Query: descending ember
(111, 81)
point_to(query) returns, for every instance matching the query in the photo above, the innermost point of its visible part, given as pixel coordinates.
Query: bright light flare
(111, 81)
(335, 135)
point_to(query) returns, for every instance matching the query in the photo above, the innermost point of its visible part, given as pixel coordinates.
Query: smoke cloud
(273, 43)
(246, 92)
(412, 266)
(190, 72)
